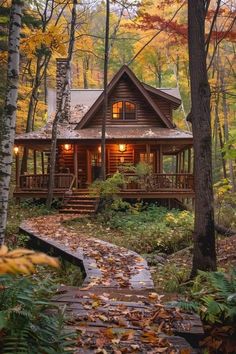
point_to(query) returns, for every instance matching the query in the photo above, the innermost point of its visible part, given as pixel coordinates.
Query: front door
(94, 164)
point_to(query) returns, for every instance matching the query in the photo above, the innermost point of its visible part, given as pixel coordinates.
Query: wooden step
(76, 211)
(80, 202)
(78, 206)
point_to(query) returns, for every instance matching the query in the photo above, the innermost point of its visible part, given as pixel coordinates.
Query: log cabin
(139, 127)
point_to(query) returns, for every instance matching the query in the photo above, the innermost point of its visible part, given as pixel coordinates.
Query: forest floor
(170, 262)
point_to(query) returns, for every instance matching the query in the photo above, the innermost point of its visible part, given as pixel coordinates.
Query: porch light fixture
(16, 150)
(67, 147)
(122, 147)
(99, 149)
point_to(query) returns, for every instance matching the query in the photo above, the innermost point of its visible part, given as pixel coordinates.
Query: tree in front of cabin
(8, 118)
(59, 116)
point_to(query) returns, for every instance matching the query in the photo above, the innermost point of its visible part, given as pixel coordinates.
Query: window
(124, 110)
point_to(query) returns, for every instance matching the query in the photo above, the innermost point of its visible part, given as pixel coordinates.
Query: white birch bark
(8, 118)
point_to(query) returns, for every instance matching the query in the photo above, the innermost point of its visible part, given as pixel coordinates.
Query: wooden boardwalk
(116, 310)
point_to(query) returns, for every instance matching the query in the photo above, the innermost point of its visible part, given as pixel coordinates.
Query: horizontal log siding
(125, 89)
(65, 160)
(164, 105)
(115, 157)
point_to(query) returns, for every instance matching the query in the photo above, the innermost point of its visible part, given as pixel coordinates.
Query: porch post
(148, 153)
(42, 163)
(180, 162)
(183, 167)
(177, 163)
(17, 171)
(76, 164)
(189, 160)
(35, 162)
(161, 160)
(89, 169)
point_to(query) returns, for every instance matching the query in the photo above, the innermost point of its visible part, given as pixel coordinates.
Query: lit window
(117, 110)
(124, 110)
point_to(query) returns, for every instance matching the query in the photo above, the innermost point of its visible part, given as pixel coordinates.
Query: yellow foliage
(3, 56)
(23, 261)
(52, 39)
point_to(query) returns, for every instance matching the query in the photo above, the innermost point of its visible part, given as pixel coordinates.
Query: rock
(154, 259)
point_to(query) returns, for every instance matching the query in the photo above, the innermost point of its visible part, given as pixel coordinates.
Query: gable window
(124, 110)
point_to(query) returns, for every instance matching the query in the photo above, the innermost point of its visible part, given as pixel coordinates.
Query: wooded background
(133, 24)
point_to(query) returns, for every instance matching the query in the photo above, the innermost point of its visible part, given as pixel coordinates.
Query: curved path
(116, 310)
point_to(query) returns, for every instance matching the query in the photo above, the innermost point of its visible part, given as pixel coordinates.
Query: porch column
(17, 170)
(189, 160)
(177, 163)
(89, 167)
(42, 163)
(180, 162)
(76, 164)
(148, 153)
(161, 160)
(35, 162)
(183, 166)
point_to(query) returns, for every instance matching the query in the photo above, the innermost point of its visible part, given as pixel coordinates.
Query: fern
(213, 297)
(27, 321)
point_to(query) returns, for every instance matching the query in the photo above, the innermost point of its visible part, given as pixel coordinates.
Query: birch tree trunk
(8, 118)
(61, 108)
(204, 253)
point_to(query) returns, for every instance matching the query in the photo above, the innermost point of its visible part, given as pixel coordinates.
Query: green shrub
(213, 297)
(26, 326)
(225, 204)
(150, 228)
(108, 188)
(171, 278)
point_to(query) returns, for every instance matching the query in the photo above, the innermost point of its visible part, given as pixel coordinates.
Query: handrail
(40, 181)
(161, 181)
(72, 183)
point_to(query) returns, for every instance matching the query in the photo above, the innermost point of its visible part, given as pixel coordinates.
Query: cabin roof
(86, 102)
(83, 99)
(124, 70)
(116, 133)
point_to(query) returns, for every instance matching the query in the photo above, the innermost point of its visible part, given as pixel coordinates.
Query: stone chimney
(60, 77)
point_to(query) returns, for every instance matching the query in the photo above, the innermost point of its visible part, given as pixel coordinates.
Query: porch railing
(161, 181)
(40, 182)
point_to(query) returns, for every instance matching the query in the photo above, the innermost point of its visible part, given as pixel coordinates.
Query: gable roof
(171, 94)
(98, 103)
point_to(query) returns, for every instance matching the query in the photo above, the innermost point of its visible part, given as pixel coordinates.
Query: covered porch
(78, 164)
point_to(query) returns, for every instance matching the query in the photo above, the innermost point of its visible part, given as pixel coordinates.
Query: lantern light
(67, 147)
(16, 150)
(99, 149)
(122, 147)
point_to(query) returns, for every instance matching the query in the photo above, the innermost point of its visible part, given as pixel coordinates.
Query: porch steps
(80, 202)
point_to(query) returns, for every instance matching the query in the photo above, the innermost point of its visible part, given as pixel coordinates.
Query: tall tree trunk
(8, 118)
(41, 64)
(106, 60)
(217, 119)
(226, 131)
(204, 252)
(85, 72)
(61, 107)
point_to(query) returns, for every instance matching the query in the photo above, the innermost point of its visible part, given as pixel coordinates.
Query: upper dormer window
(124, 110)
